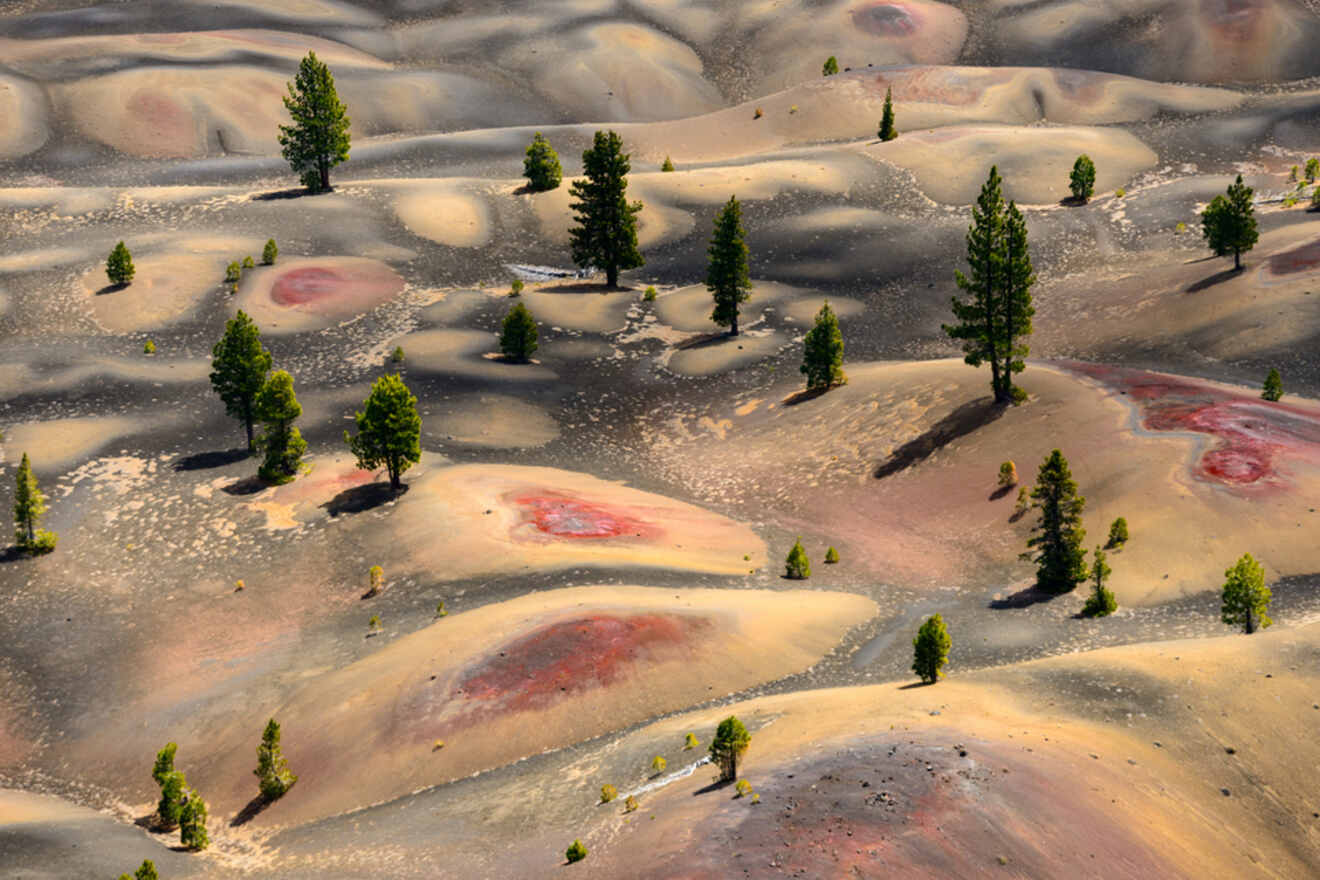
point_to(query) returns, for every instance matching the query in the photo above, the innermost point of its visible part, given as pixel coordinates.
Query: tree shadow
(1024, 599)
(296, 192)
(962, 421)
(804, 395)
(1217, 278)
(12, 553)
(250, 811)
(703, 340)
(363, 498)
(1018, 514)
(507, 359)
(1073, 201)
(1001, 492)
(917, 684)
(111, 288)
(204, 461)
(246, 486)
(714, 786)
(586, 287)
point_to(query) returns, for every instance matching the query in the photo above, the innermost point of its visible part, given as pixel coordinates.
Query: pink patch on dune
(303, 286)
(335, 289)
(562, 516)
(571, 657)
(1299, 259)
(885, 20)
(1251, 436)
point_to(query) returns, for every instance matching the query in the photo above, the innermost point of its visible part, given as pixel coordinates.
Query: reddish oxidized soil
(302, 286)
(1299, 259)
(885, 20)
(1251, 435)
(563, 516)
(571, 657)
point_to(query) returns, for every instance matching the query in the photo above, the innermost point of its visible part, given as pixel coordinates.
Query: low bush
(270, 252)
(233, 273)
(397, 354)
(658, 764)
(743, 787)
(831, 556)
(796, 566)
(630, 804)
(576, 852)
(650, 294)
(690, 742)
(249, 263)
(1118, 534)
(149, 347)
(608, 793)
(1008, 475)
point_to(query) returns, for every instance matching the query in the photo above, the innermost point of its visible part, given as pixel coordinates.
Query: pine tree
(119, 266)
(1101, 602)
(29, 508)
(1057, 538)
(667, 165)
(389, 429)
(145, 871)
(1118, 534)
(164, 763)
(797, 566)
(272, 772)
(277, 408)
(998, 309)
(727, 276)
(822, 351)
(318, 139)
(1312, 170)
(192, 822)
(576, 852)
(239, 365)
(831, 556)
(1273, 388)
(1228, 223)
(830, 67)
(518, 334)
(728, 746)
(541, 166)
(930, 649)
(606, 232)
(1245, 598)
(887, 131)
(1082, 182)
(270, 252)
(169, 809)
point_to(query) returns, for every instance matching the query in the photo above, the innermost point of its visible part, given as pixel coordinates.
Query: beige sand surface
(444, 214)
(166, 289)
(366, 733)
(557, 305)
(804, 310)
(688, 308)
(465, 353)
(494, 421)
(725, 353)
(21, 378)
(59, 444)
(24, 109)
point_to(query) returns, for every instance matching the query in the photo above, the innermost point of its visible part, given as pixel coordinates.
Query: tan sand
(23, 107)
(491, 421)
(725, 353)
(445, 215)
(18, 378)
(59, 444)
(166, 289)
(554, 305)
(468, 353)
(688, 308)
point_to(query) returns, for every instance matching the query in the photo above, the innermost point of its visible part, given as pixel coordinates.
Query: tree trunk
(395, 483)
(252, 443)
(733, 328)
(1237, 260)
(612, 276)
(1251, 622)
(31, 530)
(325, 176)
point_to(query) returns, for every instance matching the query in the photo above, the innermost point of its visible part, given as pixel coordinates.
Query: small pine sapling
(1245, 598)
(650, 294)
(518, 335)
(830, 67)
(668, 165)
(1273, 387)
(541, 166)
(273, 775)
(630, 804)
(440, 609)
(145, 871)
(397, 355)
(690, 742)
(608, 793)
(1118, 534)
(1082, 182)
(169, 809)
(375, 581)
(233, 273)
(149, 347)
(797, 567)
(576, 852)
(119, 266)
(887, 132)
(516, 287)
(1008, 475)
(192, 822)
(270, 252)
(831, 556)
(1023, 502)
(373, 624)
(1312, 170)
(1101, 602)
(930, 649)
(729, 744)
(758, 114)
(249, 263)
(658, 764)
(743, 788)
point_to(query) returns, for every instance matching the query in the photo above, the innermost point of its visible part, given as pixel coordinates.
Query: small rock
(1225, 792)
(1230, 750)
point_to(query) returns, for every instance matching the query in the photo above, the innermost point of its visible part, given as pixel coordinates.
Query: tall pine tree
(277, 408)
(606, 232)
(29, 506)
(239, 365)
(1015, 300)
(389, 429)
(822, 351)
(1228, 223)
(887, 131)
(273, 775)
(1057, 538)
(318, 139)
(727, 276)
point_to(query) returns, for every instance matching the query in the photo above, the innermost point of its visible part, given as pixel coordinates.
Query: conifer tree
(1082, 182)
(822, 351)
(998, 310)
(164, 763)
(1228, 223)
(606, 232)
(318, 138)
(239, 365)
(1057, 539)
(29, 508)
(270, 252)
(541, 166)
(1118, 534)
(887, 131)
(192, 822)
(797, 567)
(930, 649)
(277, 408)
(1101, 602)
(1245, 598)
(667, 165)
(273, 776)
(830, 67)
(145, 871)
(728, 746)
(389, 429)
(727, 276)
(1273, 388)
(169, 809)
(119, 266)
(518, 334)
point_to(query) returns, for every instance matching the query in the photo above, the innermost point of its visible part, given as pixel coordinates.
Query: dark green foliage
(796, 565)
(119, 265)
(831, 556)
(887, 131)
(830, 67)
(1315, 199)
(149, 347)
(1312, 170)
(998, 311)
(272, 772)
(822, 351)
(1118, 534)
(729, 745)
(192, 822)
(318, 139)
(164, 763)
(1246, 599)
(1273, 388)
(606, 232)
(248, 263)
(239, 365)
(518, 334)
(270, 252)
(930, 649)
(576, 852)
(29, 508)
(145, 871)
(389, 429)
(541, 166)
(1101, 602)
(1057, 538)
(727, 276)
(277, 408)
(1082, 182)
(233, 273)
(667, 165)
(397, 355)
(169, 809)
(1228, 223)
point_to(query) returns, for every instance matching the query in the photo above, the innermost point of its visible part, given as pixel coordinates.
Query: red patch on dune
(572, 656)
(302, 286)
(1251, 435)
(168, 121)
(885, 20)
(563, 516)
(1299, 259)
(336, 290)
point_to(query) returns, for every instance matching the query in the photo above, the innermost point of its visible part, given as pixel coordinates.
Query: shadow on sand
(246, 486)
(296, 193)
(1023, 599)
(204, 461)
(959, 423)
(250, 811)
(1217, 278)
(714, 786)
(363, 498)
(111, 288)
